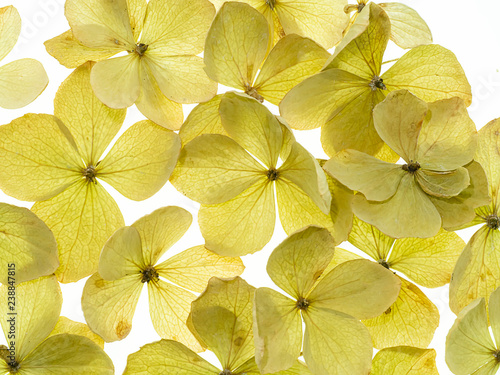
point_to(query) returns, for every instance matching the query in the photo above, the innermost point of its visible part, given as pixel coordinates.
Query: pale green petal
(10, 28)
(370, 240)
(443, 184)
(65, 325)
(405, 360)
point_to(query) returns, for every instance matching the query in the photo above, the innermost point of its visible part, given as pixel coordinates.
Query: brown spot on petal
(122, 329)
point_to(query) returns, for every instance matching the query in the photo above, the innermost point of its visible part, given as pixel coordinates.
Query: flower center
(384, 263)
(226, 372)
(90, 174)
(149, 274)
(493, 221)
(271, 3)
(141, 49)
(496, 354)
(14, 366)
(302, 303)
(251, 91)
(272, 174)
(377, 83)
(411, 167)
(360, 7)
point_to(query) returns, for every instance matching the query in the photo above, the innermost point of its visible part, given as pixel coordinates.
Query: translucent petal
(370, 240)
(443, 184)
(65, 325)
(251, 368)
(405, 360)
(109, 306)
(277, 330)
(21, 82)
(10, 28)
(488, 156)
(169, 308)
(242, 225)
(494, 314)
(137, 12)
(38, 156)
(81, 218)
(92, 124)
(192, 268)
(300, 260)
(214, 168)
(234, 55)
(26, 242)
(141, 161)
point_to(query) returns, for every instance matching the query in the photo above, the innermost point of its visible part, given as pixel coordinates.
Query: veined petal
(82, 218)
(116, 82)
(321, 20)
(109, 306)
(431, 72)
(234, 55)
(177, 27)
(26, 242)
(169, 308)
(292, 60)
(141, 161)
(101, 24)
(242, 225)
(92, 124)
(277, 329)
(192, 268)
(376, 179)
(21, 82)
(167, 356)
(214, 168)
(299, 261)
(408, 213)
(38, 157)
(488, 155)
(443, 184)
(405, 360)
(251, 368)
(494, 313)
(408, 29)
(370, 240)
(10, 28)
(71, 53)
(136, 13)
(65, 325)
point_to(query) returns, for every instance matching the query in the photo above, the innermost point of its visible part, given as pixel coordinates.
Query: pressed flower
(405, 360)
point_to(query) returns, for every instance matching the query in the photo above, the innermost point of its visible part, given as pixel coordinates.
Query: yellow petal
(169, 308)
(370, 240)
(156, 106)
(65, 325)
(469, 346)
(398, 120)
(101, 24)
(222, 316)
(300, 260)
(203, 119)
(27, 243)
(448, 139)
(494, 313)
(81, 218)
(302, 169)
(363, 54)
(177, 27)
(292, 60)
(408, 29)
(192, 268)
(68, 355)
(330, 340)
(232, 55)
(122, 255)
(405, 360)
(116, 82)
(170, 357)
(429, 261)
(71, 53)
(181, 78)
(251, 368)
(443, 184)
(21, 82)
(488, 156)
(359, 288)
(431, 72)
(297, 209)
(277, 330)
(109, 306)
(376, 179)
(477, 272)
(38, 156)
(214, 168)
(321, 20)
(141, 161)
(10, 28)
(242, 225)
(315, 100)
(92, 124)
(408, 213)
(459, 210)
(411, 320)
(160, 230)
(137, 12)
(37, 306)
(252, 126)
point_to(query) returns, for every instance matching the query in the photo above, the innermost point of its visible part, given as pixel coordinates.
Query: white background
(469, 28)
